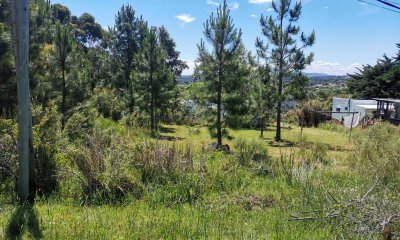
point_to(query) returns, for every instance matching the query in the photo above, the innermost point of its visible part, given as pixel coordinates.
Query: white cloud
(192, 65)
(186, 18)
(253, 15)
(332, 68)
(326, 7)
(234, 5)
(270, 9)
(259, 1)
(210, 2)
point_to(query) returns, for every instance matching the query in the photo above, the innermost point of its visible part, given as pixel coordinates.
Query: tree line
(130, 70)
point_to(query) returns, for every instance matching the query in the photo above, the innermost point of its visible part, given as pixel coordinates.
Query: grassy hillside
(304, 188)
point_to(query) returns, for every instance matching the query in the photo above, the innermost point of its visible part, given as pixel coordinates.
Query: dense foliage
(380, 81)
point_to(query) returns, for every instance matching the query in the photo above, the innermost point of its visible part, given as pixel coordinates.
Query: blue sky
(348, 33)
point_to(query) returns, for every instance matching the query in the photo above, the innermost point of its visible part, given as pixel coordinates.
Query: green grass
(233, 202)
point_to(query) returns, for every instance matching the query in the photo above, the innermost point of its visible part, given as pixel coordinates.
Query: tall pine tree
(154, 79)
(215, 67)
(286, 55)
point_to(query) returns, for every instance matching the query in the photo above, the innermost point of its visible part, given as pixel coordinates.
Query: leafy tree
(286, 55)
(154, 80)
(379, 81)
(88, 32)
(215, 67)
(61, 14)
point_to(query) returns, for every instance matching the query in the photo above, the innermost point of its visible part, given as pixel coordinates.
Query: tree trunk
(262, 127)
(219, 100)
(279, 112)
(280, 79)
(64, 97)
(130, 97)
(152, 106)
(20, 15)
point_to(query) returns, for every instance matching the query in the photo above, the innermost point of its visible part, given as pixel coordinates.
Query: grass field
(224, 201)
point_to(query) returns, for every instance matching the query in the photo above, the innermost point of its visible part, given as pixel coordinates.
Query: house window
(346, 108)
(338, 109)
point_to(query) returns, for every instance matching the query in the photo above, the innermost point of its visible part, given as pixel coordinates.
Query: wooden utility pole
(20, 16)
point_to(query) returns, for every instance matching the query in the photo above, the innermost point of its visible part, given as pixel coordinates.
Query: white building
(345, 105)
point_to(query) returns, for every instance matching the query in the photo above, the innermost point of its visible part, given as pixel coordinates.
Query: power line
(393, 2)
(378, 6)
(389, 4)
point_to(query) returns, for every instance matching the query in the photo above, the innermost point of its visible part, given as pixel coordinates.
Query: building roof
(387, 100)
(367, 106)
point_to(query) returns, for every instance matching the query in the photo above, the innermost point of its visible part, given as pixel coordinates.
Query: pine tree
(174, 64)
(63, 43)
(154, 79)
(286, 55)
(265, 95)
(214, 67)
(126, 40)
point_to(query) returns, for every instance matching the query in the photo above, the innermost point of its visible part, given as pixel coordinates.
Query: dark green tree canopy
(126, 39)
(380, 81)
(88, 31)
(61, 13)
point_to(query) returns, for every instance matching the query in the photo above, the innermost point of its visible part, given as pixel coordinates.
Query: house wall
(345, 105)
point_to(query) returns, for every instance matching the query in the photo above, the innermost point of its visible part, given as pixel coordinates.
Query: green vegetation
(378, 81)
(125, 184)
(122, 151)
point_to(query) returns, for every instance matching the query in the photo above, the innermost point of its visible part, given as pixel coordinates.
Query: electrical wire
(378, 6)
(389, 4)
(393, 2)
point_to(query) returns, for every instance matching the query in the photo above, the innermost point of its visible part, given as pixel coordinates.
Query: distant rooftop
(387, 100)
(367, 106)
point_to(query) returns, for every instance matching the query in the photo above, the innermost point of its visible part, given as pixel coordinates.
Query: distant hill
(316, 78)
(185, 79)
(310, 75)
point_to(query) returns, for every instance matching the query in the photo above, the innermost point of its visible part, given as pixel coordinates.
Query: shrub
(110, 104)
(248, 151)
(106, 176)
(80, 124)
(159, 160)
(377, 152)
(303, 114)
(47, 136)
(8, 150)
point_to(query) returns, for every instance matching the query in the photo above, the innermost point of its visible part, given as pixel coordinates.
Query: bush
(303, 114)
(8, 150)
(80, 124)
(159, 161)
(110, 104)
(106, 176)
(377, 152)
(46, 145)
(248, 151)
